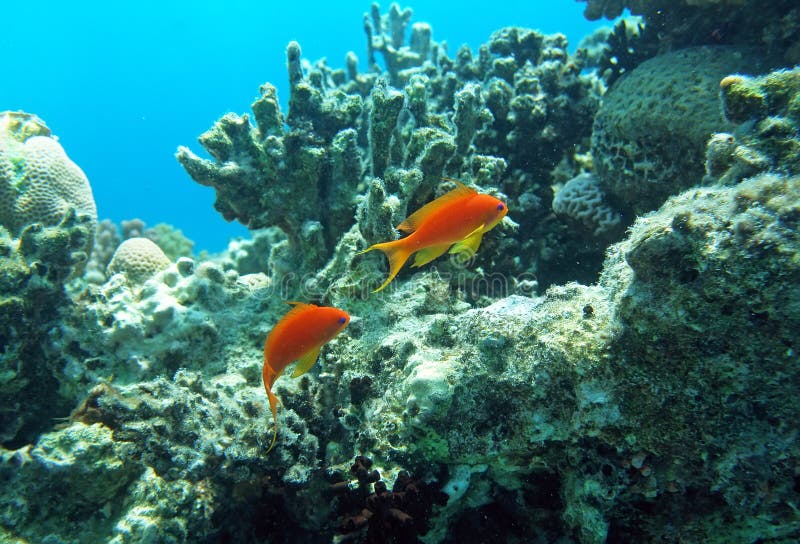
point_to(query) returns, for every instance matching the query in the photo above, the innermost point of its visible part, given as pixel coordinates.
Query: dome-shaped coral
(38, 182)
(649, 137)
(138, 259)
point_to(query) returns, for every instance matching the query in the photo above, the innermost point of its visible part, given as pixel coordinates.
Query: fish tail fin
(398, 252)
(270, 376)
(273, 404)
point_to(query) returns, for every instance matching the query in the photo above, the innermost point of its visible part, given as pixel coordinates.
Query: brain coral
(38, 182)
(649, 137)
(581, 200)
(138, 259)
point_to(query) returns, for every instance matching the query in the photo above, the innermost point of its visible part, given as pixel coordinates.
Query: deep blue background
(122, 84)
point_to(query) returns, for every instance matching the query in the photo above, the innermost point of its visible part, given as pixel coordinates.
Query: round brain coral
(649, 137)
(138, 259)
(38, 181)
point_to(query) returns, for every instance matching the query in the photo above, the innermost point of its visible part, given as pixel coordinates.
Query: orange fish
(456, 221)
(298, 336)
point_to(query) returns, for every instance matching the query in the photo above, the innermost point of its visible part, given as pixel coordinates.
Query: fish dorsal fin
(297, 307)
(305, 362)
(414, 220)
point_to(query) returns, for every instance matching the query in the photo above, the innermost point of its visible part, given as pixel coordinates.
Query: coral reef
(179, 475)
(106, 241)
(593, 408)
(133, 408)
(186, 316)
(619, 50)
(47, 222)
(306, 167)
(706, 297)
(35, 269)
(170, 241)
(386, 34)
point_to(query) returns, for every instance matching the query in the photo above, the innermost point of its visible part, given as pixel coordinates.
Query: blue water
(123, 84)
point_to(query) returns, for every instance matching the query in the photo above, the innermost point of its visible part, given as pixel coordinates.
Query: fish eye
(500, 207)
(342, 320)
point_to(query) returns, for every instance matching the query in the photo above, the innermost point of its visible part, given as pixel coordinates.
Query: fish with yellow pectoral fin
(298, 336)
(456, 221)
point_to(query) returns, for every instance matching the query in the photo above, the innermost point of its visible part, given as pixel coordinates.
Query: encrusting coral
(34, 270)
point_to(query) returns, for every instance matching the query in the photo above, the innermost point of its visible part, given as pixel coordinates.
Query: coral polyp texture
(618, 362)
(582, 200)
(38, 182)
(649, 137)
(138, 259)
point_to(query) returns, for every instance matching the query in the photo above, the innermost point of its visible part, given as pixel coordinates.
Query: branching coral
(501, 119)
